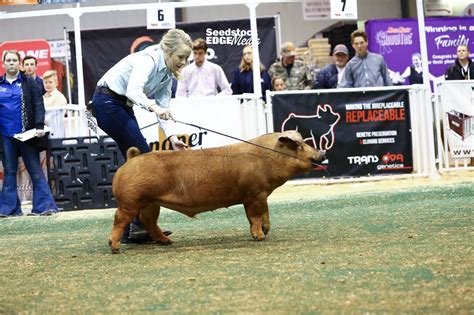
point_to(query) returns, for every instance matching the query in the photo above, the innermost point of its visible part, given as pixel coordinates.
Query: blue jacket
(243, 82)
(33, 112)
(326, 78)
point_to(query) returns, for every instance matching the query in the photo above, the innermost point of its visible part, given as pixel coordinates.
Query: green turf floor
(388, 252)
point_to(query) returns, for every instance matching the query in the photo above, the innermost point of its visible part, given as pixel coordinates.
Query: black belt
(106, 90)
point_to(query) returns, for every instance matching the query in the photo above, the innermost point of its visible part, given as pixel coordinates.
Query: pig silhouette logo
(317, 130)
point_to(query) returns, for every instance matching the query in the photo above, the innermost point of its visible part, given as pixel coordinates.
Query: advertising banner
(221, 114)
(363, 133)
(398, 42)
(101, 49)
(38, 48)
(457, 98)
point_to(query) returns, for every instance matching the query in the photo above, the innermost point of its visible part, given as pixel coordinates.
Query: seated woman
(243, 76)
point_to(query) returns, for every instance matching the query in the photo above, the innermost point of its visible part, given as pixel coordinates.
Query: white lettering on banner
(441, 29)
(229, 37)
(365, 159)
(445, 41)
(37, 53)
(400, 39)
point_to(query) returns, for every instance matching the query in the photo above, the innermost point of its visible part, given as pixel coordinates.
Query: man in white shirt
(202, 78)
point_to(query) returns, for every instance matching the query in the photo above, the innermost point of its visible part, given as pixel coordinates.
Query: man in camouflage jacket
(294, 72)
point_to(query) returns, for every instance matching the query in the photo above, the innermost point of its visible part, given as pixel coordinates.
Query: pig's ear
(288, 142)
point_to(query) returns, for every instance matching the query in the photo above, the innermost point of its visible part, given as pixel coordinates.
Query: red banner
(38, 48)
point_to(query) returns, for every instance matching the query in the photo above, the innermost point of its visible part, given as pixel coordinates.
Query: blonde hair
(171, 41)
(50, 74)
(247, 66)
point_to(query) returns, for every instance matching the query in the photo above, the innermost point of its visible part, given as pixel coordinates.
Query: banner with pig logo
(363, 133)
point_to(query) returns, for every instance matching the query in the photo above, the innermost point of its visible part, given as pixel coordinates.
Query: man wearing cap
(294, 71)
(331, 75)
(365, 68)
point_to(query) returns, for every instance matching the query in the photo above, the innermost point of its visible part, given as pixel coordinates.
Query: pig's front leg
(255, 210)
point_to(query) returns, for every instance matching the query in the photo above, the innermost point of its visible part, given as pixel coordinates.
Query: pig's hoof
(112, 249)
(164, 241)
(265, 230)
(259, 238)
(115, 251)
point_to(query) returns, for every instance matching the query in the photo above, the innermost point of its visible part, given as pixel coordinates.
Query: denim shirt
(140, 74)
(10, 107)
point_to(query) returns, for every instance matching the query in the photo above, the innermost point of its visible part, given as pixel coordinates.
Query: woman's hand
(40, 133)
(178, 145)
(161, 112)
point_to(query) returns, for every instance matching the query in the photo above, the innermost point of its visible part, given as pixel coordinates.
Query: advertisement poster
(38, 48)
(101, 49)
(363, 133)
(458, 108)
(398, 42)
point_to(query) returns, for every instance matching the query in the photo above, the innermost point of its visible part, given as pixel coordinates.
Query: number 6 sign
(160, 18)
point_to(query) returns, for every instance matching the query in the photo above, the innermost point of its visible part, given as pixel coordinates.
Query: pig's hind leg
(149, 218)
(255, 210)
(121, 220)
(266, 221)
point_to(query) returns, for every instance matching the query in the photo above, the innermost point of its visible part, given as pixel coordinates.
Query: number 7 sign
(343, 9)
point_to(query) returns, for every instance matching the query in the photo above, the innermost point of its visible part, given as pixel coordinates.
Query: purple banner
(398, 41)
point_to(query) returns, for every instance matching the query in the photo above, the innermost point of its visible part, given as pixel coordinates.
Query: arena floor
(403, 246)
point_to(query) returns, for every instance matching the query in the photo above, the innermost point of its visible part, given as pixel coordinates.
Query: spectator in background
(52, 97)
(278, 84)
(22, 109)
(463, 67)
(294, 71)
(202, 78)
(243, 76)
(30, 66)
(331, 75)
(365, 69)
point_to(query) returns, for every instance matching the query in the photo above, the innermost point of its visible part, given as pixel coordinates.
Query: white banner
(226, 115)
(457, 99)
(316, 10)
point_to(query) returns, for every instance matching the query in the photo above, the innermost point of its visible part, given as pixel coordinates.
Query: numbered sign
(160, 18)
(316, 9)
(343, 9)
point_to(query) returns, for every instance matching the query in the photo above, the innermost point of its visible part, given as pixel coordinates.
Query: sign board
(160, 18)
(438, 7)
(363, 133)
(38, 48)
(344, 9)
(457, 99)
(316, 9)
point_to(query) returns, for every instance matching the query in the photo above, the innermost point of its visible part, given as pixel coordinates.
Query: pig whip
(238, 139)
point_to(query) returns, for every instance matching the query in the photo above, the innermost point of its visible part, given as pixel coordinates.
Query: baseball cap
(341, 48)
(287, 52)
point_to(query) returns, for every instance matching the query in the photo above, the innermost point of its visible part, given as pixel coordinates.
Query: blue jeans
(42, 198)
(118, 121)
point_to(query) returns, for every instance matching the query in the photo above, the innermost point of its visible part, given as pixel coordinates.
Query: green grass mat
(404, 251)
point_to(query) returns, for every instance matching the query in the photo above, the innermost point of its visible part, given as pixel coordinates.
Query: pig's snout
(319, 157)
